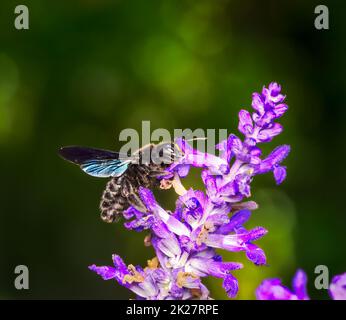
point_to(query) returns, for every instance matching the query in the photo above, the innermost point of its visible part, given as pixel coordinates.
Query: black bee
(143, 168)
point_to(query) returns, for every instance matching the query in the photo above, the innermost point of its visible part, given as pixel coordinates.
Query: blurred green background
(87, 69)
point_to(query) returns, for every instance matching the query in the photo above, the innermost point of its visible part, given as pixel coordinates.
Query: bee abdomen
(121, 192)
(112, 202)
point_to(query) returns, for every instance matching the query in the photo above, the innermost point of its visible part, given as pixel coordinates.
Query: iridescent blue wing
(105, 168)
(96, 162)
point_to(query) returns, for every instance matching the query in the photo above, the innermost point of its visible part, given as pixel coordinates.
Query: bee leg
(135, 201)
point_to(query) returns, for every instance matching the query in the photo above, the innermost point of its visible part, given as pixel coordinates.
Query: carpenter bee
(128, 173)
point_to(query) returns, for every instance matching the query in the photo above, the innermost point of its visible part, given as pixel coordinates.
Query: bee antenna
(197, 138)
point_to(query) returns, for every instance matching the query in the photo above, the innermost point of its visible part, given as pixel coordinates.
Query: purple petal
(224, 147)
(266, 135)
(160, 276)
(200, 159)
(210, 183)
(230, 284)
(272, 94)
(274, 158)
(274, 88)
(105, 272)
(183, 170)
(207, 263)
(337, 289)
(176, 292)
(266, 119)
(239, 218)
(229, 189)
(255, 154)
(256, 255)
(160, 255)
(299, 285)
(132, 212)
(119, 265)
(272, 289)
(148, 198)
(279, 154)
(239, 242)
(194, 198)
(169, 246)
(257, 103)
(160, 229)
(254, 234)
(118, 271)
(218, 219)
(280, 109)
(235, 144)
(173, 224)
(242, 183)
(245, 122)
(204, 292)
(141, 224)
(222, 269)
(279, 174)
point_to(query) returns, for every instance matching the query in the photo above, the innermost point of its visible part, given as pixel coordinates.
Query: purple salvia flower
(268, 105)
(273, 159)
(153, 282)
(279, 174)
(199, 159)
(272, 95)
(272, 163)
(272, 289)
(337, 289)
(185, 240)
(185, 245)
(245, 122)
(299, 285)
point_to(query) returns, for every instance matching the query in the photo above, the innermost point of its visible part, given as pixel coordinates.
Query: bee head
(166, 152)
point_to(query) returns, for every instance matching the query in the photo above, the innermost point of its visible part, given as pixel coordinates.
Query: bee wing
(79, 155)
(96, 162)
(105, 168)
